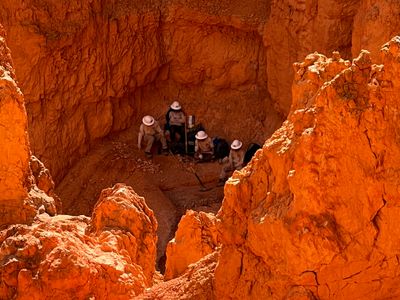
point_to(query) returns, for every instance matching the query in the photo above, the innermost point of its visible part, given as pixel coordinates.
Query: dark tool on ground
(190, 169)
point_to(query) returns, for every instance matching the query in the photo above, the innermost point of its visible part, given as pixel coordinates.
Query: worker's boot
(165, 151)
(148, 154)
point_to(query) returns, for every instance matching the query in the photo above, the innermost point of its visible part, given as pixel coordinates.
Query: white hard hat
(201, 135)
(236, 144)
(175, 105)
(148, 120)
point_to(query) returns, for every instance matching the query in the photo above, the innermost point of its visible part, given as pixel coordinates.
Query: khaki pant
(227, 169)
(149, 140)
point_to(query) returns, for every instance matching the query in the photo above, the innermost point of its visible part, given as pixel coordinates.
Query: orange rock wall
(100, 66)
(20, 198)
(120, 210)
(92, 68)
(14, 152)
(375, 24)
(195, 238)
(69, 257)
(196, 283)
(313, 216)
(294, 29)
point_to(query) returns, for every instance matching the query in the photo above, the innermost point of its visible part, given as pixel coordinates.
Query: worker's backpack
(251, 150)
(221, 148)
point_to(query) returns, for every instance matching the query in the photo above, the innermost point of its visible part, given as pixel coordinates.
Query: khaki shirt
(150, 130)
(236, 158)
(176, 118)
(203, 146)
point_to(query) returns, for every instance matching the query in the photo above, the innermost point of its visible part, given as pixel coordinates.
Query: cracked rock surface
(315, 213)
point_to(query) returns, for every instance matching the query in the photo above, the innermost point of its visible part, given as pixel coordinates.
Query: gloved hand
(200, 156)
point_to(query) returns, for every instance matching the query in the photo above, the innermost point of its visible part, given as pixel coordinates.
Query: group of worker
(150, 131)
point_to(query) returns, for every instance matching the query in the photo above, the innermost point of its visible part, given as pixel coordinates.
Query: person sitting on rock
(204, 147)
(176, 126)
(151, 131)
(233, 162)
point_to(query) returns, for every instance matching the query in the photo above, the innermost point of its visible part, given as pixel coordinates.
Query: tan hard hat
(175, 105)
(236, 144)
(148, 120)
(201, 135)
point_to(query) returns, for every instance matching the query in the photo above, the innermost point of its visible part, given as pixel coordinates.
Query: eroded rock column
(14, 150)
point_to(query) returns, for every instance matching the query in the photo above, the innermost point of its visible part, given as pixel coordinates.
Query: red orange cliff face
(94, 68)
(21, 192)
(313, 216)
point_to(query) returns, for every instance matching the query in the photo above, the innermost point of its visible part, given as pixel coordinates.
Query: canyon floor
(165, 182)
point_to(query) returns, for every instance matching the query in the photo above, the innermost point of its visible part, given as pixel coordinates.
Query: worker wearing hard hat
(150, 131)
(176, 124)
(203, 147)
(233, 162)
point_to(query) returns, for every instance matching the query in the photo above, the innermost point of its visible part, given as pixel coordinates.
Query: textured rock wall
(313, 216)
(99, 66)
(20, 196)
(376, 22)
(121, 210)
(195, 284)
(79, 258)
(14, 153)
(95, 67)
(195, 238)
(294, 29)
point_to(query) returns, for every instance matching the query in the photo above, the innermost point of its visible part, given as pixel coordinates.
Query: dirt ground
(164, 181)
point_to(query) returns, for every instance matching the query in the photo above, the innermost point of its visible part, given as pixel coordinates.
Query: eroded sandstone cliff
(314, 214)
(47, 256)
(196, 237)
(20, 196)
(108, 256)
(95, 67)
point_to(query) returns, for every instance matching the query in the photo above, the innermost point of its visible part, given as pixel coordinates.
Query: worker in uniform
(204, 147)
(150, 131)
(176, 126)
(233, 162)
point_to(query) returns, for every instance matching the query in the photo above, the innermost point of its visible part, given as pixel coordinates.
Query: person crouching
(150, 131)
(233, 162)
(204, 147)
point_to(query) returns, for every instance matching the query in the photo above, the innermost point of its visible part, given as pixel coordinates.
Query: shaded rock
(102, 66)
(44, 181)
